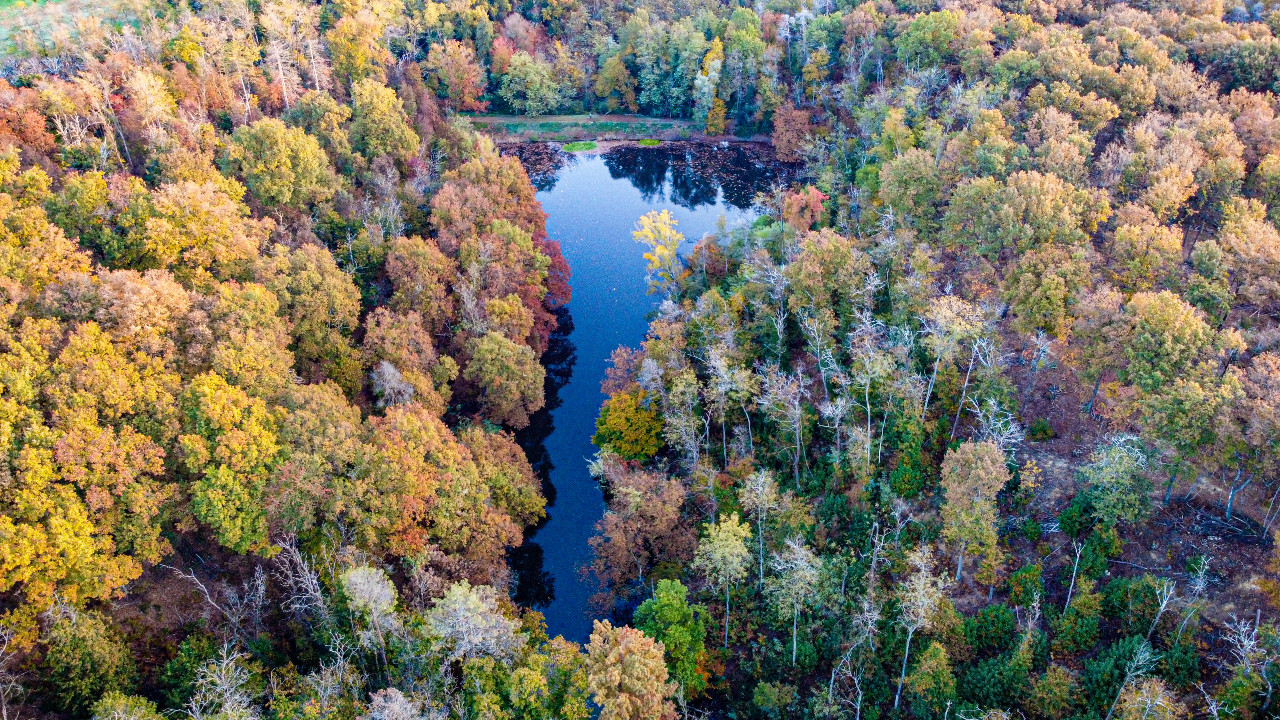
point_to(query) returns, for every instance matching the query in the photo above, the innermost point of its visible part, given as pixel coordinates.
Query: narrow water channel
(592, 201)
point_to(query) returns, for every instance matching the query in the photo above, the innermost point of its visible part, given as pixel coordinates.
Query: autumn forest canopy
(979, 418)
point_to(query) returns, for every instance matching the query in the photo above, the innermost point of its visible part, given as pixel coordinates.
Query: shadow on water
(592, 203)
(534, 587)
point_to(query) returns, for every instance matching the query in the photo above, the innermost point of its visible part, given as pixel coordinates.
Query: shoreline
(601, 129)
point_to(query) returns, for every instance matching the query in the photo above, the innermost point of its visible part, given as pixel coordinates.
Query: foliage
(83, 660)
(680, 628)
(630, 425)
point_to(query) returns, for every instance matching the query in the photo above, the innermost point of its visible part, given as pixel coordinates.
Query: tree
(759, 496)
(1252, 251)
(1053, 694)
(630, 425)
(228, 452)
(972, 474)
(616, 86)
(115, 705)
(782, 397)
(1147, 253)
(1150, 700)
(1168, 338)
(379, 125)
(949, 321)
(680, 628)
(919, 597)
(705, 111)
(722, 557)
(322, 305)
(421, 276)
(1116, 479)
(657, 231)
(83, 660)
(508, 377)
(626, 674)
(466, 624)
(357, 51)
(795, 580)
(642, 526)
(791, 129)
(281, 165)
(529, 85)
(1041, 289)
(459, 76)
(931, 686)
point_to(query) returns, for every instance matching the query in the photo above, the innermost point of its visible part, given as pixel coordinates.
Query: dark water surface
(593, 202)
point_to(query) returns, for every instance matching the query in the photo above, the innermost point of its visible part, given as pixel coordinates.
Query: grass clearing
(580, 145)
(650, 142)
(47, 19)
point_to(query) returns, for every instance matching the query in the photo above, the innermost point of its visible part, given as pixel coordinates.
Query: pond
(593, 201)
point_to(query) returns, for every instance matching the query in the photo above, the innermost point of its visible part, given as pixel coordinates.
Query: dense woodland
(981, 419)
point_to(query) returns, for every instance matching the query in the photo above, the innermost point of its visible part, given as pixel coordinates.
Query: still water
(592, 202)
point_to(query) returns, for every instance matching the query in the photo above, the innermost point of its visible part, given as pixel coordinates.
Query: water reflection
(535, 587)
(690, 175)
(592, 202)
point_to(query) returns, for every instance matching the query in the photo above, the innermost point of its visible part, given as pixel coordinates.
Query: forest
(979, 418)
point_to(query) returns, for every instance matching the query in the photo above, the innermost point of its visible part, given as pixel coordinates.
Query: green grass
(650, 142)
(579, 146)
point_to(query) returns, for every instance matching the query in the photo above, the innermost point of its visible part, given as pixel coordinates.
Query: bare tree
(997, 425)
(759, 497)
(1143, 661)
(222, 690)
(305, 598)
(1165, 595)
(919, 596)
(783, 399)
(984, 353)
(869, 362)
(796, 569)
(11, 690)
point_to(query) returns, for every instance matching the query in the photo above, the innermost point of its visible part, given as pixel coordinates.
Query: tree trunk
(964, 389)
(866, 396)
(726, 616)
(1088, 408)
(1231, 497)
(795, 626)
(897, 697)
(959, 562)
(760, 532)
(1075, 566)
(929, 393)
(1168, 489)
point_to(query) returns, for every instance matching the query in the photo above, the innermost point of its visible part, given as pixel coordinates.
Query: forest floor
(568, 128)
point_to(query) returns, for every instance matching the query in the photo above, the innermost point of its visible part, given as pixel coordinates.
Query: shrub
(178, 676)
(579, 146)
(1031, 530)
(649, 142)
(1040, 430)
(1180, 664)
